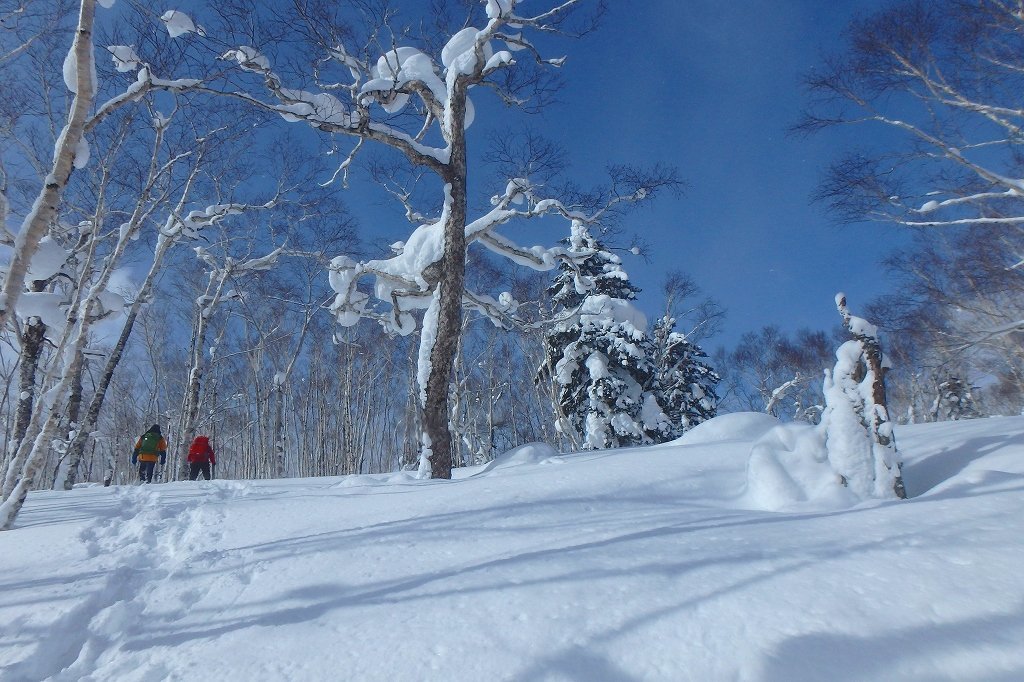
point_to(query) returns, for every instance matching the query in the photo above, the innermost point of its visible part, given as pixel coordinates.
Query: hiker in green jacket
(150, 447)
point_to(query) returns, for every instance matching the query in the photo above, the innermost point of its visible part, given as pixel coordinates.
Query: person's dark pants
(195, 467)
(146, 471)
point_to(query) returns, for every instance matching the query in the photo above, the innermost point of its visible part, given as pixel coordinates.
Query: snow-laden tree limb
(404, 282)
(990, 334)
(779, 393)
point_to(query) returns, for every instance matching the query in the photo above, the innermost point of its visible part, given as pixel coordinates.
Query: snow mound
(400, 477)
(377, 480)
(360, 481)
(734, 426)
(978, 456)
(789, 465)
(531, 453)
(228, 489)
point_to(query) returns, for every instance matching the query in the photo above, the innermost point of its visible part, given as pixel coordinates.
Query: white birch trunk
(44, 210)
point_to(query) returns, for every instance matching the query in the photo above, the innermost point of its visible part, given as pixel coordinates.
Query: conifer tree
(684, 382)
(599, 353)
(954, 401)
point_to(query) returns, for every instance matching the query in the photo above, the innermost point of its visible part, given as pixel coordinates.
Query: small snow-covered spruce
(599, 355)
(684, 382)
(953, 400)
(859, 439)
(426, 281)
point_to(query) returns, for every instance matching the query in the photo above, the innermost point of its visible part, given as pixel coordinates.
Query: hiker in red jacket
(200, 457)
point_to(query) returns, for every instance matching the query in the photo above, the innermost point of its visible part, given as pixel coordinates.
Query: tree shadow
(491, 575)
(917, 652)
(57, 509)
(745, 568)
(923, 475)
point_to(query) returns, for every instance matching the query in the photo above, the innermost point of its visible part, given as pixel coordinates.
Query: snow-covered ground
(642, 564)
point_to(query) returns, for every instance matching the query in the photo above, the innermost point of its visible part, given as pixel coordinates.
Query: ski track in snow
(151, 539)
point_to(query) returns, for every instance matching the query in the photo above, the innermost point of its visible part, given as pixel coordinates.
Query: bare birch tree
(942, 79)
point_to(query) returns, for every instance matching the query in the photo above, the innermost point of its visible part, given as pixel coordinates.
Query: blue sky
(711, 86)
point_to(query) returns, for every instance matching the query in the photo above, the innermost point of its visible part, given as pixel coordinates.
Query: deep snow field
(640, 564)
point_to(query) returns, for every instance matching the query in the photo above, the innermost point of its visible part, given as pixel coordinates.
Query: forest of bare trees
(177, 249)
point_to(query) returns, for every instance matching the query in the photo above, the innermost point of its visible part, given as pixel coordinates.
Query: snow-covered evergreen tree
(684, 383)
(859, 439)
(600, 355)
(954, 401)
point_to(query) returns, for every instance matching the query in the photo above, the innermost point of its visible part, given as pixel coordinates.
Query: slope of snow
(634, 564)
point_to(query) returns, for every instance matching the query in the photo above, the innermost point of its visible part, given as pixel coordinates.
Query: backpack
(200, 450)
(149, 443)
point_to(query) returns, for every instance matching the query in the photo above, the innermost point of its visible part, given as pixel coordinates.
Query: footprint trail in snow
(147, 549)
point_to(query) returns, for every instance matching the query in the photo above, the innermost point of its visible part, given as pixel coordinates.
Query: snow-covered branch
(191, 224)
(405, 280)
(991, 334)
(961, 140)
(779, 393)
(329, 114)
(144, 84)
(544, 20)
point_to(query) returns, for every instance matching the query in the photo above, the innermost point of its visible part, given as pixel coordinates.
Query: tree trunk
(279, 452)
(449, 291)
(31, 350)
(449, 315)
(873, 357)
(77, 446)
(41, 435)
(70, 421)
(44, 211)
(190, 406)
(871, 360)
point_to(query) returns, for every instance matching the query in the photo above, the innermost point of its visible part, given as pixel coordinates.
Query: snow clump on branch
(124, 57)
(179, 23)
